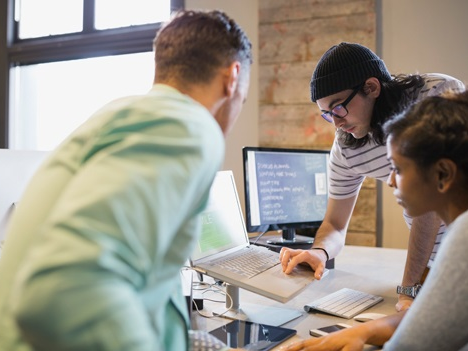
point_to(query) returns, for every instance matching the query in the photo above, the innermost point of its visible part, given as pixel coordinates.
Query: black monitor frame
(288, 237)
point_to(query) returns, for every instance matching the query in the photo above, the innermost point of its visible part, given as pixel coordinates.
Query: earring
(441, 186)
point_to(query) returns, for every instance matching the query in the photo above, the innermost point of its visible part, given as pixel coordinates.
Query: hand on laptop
(290, 258)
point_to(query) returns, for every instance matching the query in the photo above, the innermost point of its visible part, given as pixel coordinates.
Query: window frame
(86, 44)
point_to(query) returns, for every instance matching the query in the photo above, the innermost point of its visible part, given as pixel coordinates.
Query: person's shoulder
(438, 77)
(438, 83)
(461, 220)
(441, 79)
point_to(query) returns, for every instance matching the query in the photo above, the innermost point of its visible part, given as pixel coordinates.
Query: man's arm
(421, 243)
(330, 237)
(332, 233)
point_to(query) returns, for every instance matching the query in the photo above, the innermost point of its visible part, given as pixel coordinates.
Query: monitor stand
(289, 239)
(255, 313)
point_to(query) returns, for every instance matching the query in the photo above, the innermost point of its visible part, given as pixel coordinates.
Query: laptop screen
(223, 225)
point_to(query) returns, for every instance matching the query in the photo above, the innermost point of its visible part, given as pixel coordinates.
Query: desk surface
(374, 270)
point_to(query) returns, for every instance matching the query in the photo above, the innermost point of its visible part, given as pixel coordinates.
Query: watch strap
(411, 291)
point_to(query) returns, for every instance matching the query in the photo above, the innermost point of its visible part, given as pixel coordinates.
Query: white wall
(419, 36)
(245, 132)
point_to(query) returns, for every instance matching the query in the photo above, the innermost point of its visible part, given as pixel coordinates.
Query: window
(62, 60)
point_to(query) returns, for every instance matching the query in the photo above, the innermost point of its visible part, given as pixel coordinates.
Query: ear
(372, 87)
(231, 78)
(446, 171)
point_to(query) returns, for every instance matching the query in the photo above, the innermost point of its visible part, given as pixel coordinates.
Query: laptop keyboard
(250, 262)
(345, 303)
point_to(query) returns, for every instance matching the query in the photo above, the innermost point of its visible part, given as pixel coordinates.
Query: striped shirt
(349, 167)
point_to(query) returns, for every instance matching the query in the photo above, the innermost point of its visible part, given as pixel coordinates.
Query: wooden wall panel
(293, 35)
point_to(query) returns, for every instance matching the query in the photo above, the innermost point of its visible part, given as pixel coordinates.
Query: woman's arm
(375, 332)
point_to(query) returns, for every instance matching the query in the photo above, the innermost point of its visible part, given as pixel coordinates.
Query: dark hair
(194, 44)
(395, 96)
(435, 128)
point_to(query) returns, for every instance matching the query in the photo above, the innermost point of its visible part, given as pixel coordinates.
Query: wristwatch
(411, 291)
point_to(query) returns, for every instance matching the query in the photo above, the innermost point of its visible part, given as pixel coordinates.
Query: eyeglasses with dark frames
(340, 110)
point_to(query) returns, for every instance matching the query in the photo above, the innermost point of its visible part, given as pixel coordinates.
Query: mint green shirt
(93, 252)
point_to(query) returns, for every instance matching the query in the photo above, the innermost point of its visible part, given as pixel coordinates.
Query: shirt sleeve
(437, 318)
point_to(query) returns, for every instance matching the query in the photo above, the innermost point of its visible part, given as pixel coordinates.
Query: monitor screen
(285, 189)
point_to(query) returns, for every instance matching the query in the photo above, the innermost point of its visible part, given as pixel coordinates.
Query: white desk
(374, 270)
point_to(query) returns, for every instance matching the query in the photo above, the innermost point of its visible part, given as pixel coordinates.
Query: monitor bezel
(279, 226)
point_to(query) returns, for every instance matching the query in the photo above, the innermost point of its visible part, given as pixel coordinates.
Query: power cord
(216, 289)
(206, 288)
(258, 237)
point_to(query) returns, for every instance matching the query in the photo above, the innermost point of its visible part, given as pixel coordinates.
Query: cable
(210, 288)
(216, 289)
(258, 237)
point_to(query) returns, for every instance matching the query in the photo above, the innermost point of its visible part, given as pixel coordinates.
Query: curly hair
(435, 128)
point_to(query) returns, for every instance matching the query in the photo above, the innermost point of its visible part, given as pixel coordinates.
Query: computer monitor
(285, 189)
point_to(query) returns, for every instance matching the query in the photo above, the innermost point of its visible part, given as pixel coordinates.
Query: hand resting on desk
(354, 338)
(404, 302)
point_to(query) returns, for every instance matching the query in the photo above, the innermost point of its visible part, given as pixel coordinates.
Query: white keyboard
(345, 303)
(250, 262)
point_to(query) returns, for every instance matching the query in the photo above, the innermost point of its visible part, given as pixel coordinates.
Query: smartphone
(329, 329)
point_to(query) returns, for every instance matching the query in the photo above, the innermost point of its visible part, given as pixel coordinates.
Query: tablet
(252, 336)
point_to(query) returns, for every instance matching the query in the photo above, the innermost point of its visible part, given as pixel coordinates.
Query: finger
(290, 265)
(283, 251)
(319, 272)
(285, 259)
(295, 347)
(402, 306)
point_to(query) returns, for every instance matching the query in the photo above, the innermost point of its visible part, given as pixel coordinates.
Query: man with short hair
(93, 253)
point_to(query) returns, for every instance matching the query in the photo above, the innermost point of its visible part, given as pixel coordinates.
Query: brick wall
(293, 34)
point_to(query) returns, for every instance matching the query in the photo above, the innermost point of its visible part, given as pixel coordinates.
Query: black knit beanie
(345, 66)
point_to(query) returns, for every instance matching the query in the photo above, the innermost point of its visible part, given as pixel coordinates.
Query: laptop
(17, 168)
(224, 236)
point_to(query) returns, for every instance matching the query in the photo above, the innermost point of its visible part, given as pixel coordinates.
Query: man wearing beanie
(354, 90)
